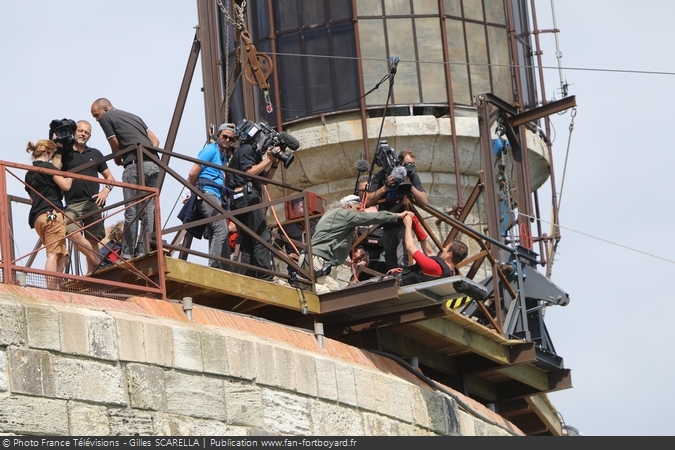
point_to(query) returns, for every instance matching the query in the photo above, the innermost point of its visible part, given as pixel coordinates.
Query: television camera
(386, 158)
(262, 136)
(63, 131)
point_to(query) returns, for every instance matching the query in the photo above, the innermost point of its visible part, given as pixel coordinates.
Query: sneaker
(280, 281)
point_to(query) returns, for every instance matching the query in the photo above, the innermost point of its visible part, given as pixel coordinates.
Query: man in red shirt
(427, 268)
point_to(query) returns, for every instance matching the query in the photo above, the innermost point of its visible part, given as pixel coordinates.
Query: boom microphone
(289, 141)
(362, 165)
(393, 63)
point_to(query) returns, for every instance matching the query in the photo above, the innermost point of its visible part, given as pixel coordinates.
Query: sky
(615, 252)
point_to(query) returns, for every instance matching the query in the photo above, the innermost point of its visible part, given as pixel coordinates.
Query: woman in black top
(46, 212)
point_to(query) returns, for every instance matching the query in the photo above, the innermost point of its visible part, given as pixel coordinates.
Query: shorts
(79, 209)
(52, 233)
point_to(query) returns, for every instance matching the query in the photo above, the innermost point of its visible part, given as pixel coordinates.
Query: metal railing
(18, 269)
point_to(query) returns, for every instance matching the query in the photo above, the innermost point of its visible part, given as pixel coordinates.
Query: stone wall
(73, 370)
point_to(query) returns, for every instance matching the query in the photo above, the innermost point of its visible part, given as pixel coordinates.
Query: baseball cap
(350, 199)
(227, 126)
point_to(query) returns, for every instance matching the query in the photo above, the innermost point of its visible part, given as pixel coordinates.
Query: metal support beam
(543, 111)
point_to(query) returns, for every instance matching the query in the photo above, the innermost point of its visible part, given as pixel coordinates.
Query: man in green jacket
(334, 235)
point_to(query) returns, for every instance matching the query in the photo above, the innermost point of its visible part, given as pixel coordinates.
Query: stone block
(305, 374)
(365, 389)
(286, 413)
(241, 358)
(3, 374)
(376, 425)
(12, 324)
(284, 368)
(266, 369)
(31, 372)
(42, 327)
(187, 351)
(385, 402)
(420, 414)
(129, 422)
(194, 395)
(400, 399)
(102, 336)
(173, 425)
(243, 403)
(145, 385)
(158, 342)
(350, 131)
(407, 429)
(88, 381)
(33, 416)
(129, 337)
(88, 420)
(479, 428)
(326, 379)
(443, 414)
(74, 332)
(214, 353)
(329, 419)
(346, 384)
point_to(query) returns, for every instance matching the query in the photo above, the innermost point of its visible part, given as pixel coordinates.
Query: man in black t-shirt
(123, 129)
(83, 200)
(383, 186)
(248, 192)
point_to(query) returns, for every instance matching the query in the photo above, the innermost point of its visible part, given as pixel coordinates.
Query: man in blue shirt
(211, 182)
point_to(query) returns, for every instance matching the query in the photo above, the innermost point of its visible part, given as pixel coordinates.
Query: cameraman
(385, 185)
(83, 200)
(248, 192)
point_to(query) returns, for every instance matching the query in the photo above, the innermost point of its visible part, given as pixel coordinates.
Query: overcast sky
(616, 248)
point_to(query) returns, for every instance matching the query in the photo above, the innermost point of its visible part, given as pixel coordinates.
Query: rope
(604, 240)
(567, 154)
(553, 246)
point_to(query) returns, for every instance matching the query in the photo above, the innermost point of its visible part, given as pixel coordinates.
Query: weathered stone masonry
(73, 370)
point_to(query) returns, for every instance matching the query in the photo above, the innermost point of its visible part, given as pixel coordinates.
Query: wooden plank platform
(207, 286)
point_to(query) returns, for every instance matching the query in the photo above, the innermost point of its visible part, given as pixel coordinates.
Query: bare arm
(194, 172)
(409, 239)
(63, 182)
(426, 247)
(259, 168)
(114, 143)
(419, 196)
(103, 195)
(56, 160)
(153, 138)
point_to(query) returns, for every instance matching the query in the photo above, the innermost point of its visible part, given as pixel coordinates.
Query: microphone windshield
(362, 165)
(399, 174)
(289, 140)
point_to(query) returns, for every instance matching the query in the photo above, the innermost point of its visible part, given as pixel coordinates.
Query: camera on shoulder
(63, 131)
(262, 137)
(385, 157)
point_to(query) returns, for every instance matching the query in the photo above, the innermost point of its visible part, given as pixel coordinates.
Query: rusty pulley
(258, 68)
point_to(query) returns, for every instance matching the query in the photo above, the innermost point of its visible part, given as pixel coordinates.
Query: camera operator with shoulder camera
(83, 200)
(402, 181)
(247, 192)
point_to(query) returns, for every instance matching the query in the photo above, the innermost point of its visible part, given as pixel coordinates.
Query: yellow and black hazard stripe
(456, 303)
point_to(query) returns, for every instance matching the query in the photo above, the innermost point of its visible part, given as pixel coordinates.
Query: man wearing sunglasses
(211, 182)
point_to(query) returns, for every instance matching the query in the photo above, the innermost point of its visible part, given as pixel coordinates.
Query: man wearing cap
(211, 182)
(334, 236)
